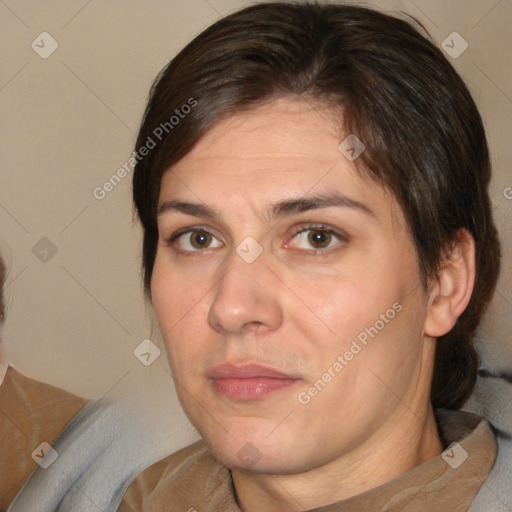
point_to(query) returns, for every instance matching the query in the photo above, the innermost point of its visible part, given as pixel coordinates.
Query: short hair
(424, 137)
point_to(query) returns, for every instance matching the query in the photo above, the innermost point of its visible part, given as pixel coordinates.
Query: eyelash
(342, 237)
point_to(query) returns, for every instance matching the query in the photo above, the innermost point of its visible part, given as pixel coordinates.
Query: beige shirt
(192, 480)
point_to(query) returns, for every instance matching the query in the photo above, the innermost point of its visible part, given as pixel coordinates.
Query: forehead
(287, 148)
(287, 126)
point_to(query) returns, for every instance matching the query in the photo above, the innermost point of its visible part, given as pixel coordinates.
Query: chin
(256, 452)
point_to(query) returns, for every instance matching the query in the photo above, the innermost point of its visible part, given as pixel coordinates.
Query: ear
(451, 291)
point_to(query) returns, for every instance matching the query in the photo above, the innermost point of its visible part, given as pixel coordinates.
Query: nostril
(253, 326)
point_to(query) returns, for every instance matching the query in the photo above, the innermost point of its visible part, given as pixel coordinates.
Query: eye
(317, 238)
(194, 240)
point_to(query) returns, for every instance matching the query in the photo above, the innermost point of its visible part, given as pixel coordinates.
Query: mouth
(249, 382)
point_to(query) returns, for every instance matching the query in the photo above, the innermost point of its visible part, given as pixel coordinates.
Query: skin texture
(297, 311)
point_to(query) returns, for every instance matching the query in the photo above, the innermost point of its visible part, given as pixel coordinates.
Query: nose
(246, 299)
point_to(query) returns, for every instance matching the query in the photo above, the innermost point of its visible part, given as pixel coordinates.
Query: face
(287, 291)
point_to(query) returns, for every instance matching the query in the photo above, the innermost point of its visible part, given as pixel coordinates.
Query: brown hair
(423, 134)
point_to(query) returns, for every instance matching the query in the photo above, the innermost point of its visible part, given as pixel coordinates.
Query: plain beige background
(69, 122)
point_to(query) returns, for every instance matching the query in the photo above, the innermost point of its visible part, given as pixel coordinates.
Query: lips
(249, 382)
(225, 371)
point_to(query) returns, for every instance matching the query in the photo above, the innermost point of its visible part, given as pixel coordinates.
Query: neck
(408, 443)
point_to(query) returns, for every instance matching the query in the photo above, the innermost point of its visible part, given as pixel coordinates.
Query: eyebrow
(277, 210)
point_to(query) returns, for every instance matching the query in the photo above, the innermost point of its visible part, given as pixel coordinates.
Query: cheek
(345, 303)
(179, 303)
(175, 293)
(379, 310)
(342, 309)
(164, 293)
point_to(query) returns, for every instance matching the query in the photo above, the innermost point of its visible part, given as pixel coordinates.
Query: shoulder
(35, 407)
(32, 413)
(465, 434)
(35, 394)
(492, 400)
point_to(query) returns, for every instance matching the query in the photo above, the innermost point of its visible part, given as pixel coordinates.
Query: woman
(318, 249)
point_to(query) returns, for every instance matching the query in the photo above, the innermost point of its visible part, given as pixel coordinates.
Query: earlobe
(451, 292)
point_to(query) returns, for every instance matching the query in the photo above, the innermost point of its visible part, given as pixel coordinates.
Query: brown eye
(195, 240)
(200, 239)
(319, 239)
